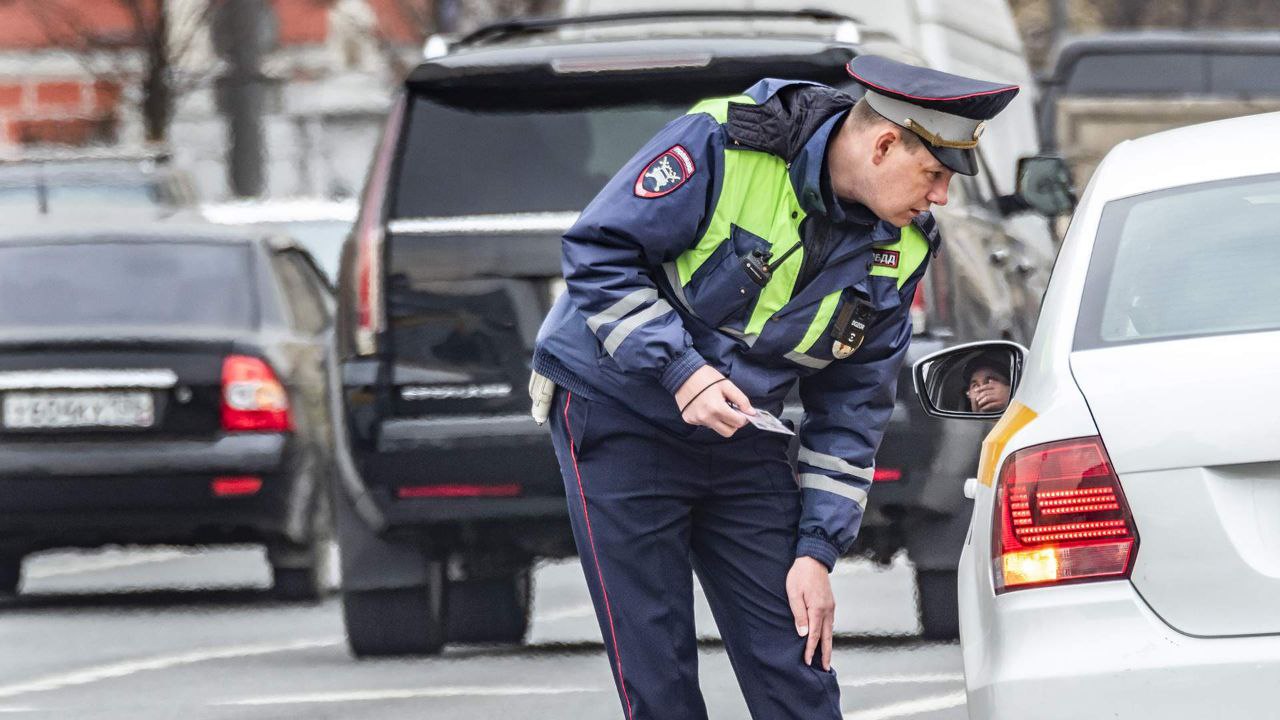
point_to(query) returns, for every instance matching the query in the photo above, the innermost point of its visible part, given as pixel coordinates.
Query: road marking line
(932, 703)
(407, 694)
(88, 565)
(577, 611)
(899, 679)
(89, 675)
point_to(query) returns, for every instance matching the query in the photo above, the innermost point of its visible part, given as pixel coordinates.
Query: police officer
(763, 239)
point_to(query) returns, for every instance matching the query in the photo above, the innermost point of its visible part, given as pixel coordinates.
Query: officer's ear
(887, 138)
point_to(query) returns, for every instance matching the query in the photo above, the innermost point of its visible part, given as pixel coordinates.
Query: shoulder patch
(885, 258)
(665, 173)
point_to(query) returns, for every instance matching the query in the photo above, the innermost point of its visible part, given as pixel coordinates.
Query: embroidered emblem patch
(665, 173)
(885, 258)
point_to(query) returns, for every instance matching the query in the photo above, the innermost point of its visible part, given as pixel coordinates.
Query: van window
(1191, 261)
(1166, 73)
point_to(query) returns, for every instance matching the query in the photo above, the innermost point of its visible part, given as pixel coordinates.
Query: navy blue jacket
(624, 332)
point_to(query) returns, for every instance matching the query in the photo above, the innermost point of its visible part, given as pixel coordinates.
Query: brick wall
(69, 111)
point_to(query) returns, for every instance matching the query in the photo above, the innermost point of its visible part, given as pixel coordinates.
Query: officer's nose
(938, 193)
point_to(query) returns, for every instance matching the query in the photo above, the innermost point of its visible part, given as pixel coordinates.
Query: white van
(977, 38)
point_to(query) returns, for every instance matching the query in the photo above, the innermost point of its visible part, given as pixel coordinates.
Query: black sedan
(165, 386)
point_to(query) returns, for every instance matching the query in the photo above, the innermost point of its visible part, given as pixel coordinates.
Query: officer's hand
(705, 397)
(813, 605)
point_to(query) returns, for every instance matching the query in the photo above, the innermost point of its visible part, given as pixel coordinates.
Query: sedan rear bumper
(89, 493)
(1097, 650)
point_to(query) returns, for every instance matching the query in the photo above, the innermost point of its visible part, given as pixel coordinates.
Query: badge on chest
(850, 328)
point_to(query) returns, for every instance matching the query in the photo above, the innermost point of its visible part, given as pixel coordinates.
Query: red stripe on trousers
(608, 612)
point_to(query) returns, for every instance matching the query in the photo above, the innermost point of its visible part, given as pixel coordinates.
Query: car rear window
(478, 160)
(1191, 261)
(127, 283)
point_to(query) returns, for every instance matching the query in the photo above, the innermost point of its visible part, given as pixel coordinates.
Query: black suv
(488, 155)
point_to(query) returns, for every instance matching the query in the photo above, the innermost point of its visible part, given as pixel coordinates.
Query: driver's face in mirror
(988, 389)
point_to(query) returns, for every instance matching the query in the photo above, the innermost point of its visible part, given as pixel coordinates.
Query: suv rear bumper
(144, 491)
(474, 451)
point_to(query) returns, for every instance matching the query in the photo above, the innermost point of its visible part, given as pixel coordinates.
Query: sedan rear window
(126, 284)
(1187, 262)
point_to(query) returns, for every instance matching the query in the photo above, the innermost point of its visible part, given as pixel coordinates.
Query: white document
(765, 420)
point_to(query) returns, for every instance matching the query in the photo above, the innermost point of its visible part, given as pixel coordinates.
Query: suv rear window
(474, 161)
(127, 283)
(1191, 261)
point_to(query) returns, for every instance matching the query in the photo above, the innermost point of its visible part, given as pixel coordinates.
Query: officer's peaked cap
(948, 112)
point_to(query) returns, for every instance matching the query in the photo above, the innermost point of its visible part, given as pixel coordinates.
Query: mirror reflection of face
(988, 391)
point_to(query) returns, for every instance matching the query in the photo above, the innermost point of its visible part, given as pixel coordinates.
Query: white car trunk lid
(1193, 430)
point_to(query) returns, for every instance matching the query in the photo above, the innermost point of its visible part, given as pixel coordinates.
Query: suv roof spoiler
(524, 26)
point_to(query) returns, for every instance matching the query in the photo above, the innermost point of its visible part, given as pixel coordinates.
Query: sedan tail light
(1061, 517)
(253, 397)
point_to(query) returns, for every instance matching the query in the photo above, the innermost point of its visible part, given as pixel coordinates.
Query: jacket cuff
(818, 549)
(680, 369)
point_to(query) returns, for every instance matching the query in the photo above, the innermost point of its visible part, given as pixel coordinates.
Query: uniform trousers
(649, 508)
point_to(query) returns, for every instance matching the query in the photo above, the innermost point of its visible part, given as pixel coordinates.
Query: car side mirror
(974, 381)
(1044, 185)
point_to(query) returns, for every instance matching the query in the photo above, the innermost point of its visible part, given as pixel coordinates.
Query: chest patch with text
(665, 173)
(885, 258)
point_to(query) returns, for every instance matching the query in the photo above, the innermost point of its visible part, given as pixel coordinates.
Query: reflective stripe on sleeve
(802, 359)
(673, 279)
(813, 481)
(622, 307)
(624, 329)
(835, 464)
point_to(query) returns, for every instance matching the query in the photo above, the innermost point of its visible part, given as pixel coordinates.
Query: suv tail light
(369, 235)
(919, 314)
(1061, 517)
(252, 396)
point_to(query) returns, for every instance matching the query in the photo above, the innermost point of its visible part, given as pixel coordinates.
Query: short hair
(864, 116)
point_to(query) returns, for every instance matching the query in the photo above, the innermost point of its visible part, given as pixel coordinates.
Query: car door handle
(999, 257)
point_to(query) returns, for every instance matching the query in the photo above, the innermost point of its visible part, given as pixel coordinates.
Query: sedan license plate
(37, 411)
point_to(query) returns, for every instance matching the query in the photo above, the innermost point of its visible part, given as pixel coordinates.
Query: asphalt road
(170, 633)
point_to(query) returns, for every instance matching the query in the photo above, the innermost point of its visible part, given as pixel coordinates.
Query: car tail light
(252, 396)
(919, 316)
(1061, 517)
(457, 491)
(236, 486)
(883, 475)
(369, 236)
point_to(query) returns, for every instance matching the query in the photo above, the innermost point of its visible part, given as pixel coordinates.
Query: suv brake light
(1061, 517)
(369, 236)
(919, 322)
(252, 396)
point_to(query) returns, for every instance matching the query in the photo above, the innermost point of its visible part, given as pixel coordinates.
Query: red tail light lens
(1061, 517)
(252, 396)
(919, 314)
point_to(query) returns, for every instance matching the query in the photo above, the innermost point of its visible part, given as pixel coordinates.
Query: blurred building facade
(126, 73)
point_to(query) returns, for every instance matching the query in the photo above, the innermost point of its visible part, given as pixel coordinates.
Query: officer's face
(900, 179)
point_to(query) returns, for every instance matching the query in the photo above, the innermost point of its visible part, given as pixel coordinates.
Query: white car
(320, 226)
(1123, 559)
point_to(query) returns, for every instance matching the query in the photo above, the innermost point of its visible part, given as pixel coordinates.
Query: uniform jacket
(656, 289)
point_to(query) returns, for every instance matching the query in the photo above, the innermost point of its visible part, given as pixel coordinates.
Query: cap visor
(964, 162)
